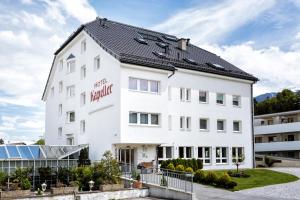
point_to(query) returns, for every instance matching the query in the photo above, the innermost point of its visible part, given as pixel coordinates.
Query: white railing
(277, 146)
(277, 128)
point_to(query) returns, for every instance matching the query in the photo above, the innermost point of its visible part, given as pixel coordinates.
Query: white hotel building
(147, 96)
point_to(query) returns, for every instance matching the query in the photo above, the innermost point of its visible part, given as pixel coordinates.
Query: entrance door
(126, 156)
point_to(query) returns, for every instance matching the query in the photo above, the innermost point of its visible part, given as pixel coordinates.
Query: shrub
(171, 166)
(45, 173)
(199, 176)
(63, 175)
(179, 168)
(269, 161)
(25, 184)
(195, 164)
(189, 170)
(223, 180)
(230, 185)
(210, 178)
(3, 178)
(83, 159)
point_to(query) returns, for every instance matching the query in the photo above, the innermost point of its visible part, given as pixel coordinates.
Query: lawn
(259, 178)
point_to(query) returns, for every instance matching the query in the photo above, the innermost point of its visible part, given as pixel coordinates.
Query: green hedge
(211, 178)
(195, 164)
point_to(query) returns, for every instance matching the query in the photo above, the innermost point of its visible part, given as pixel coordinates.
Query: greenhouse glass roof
(35, 152)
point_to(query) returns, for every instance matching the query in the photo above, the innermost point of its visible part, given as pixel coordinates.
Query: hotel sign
(102, 88)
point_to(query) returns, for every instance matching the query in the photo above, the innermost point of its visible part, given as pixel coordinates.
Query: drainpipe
(252, 127)
(173, 72)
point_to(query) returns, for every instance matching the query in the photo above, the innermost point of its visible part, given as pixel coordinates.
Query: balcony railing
(277, 128)
(277, 146)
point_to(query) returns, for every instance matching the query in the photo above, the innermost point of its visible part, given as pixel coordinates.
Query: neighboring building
(278, 134)
(147, 96)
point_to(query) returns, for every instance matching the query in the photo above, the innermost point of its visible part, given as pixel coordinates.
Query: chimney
(183, 43)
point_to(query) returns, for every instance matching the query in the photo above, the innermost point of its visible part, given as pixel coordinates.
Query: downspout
(252, 127)
(173, 72)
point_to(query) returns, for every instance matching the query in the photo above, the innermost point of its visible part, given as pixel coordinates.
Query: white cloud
(34, 21)
(13, 38)
(275, 68)
(210, 24)
(8, 123)
(27, 1)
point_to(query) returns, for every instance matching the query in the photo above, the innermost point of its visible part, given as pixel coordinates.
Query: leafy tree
(84, 157)
(1, 141)
(40, 142)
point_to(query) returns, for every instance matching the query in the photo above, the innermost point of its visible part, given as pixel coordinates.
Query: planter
(111, 187)
(137, 184)
(15, 194)
(63, 190)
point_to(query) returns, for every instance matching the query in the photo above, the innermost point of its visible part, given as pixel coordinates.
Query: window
(185, 152)
(188, 123)
(220, 125)
(188, 152)
(143, 85)
(169, 92)
(59, 132)
(83, 46)
(204, 124)
(181, 152)
(70, 117)
(170, 122)
(168, 152)
(61, 65)
(70, 141)
(204, 153)
(203, 96)
(237, 126)
(236, 100)
(143, 118)
(160, 152)
(272, 138)
(221, 155)
(237, 154)
(182, 94)
(154, 86)
(82, 98)
(154, 119)
(188, 95)
(52, 91)
(258, 139)
(71, 91)
(133, 118)
(60, 88)
(70, 66)
(182, 119)
(60, 109)
(164, 152)
(220, 99)
(96, 63)
(82, 126)
(83, 72)
(133, 83)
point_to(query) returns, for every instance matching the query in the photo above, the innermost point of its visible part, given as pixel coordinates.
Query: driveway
(286, 191)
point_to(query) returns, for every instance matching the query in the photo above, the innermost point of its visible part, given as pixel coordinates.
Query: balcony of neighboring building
(284, 122)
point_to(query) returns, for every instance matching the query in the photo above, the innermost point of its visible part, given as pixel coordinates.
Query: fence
(163, 177)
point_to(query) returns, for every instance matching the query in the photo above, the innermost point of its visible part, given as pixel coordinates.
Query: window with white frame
(221, 126)
(181, 152)
(82, 98)
(83, 46)
(96, 63)
(203, 123)
(170, 122)
(237, 126)
(169, 152)
(70, 141)
(188, 123)
(182, 94)
(61, 65)
(182, 123)
(70, 91)
(204, 154)
(70, 66)
(144, 118)
(164, 152)
(133, 83)
(60, 88)
(203, 96)
(83, 72)
(236, 100)
(59, 132)
(221, 155)
(52, 91)
(82, 126)
(237, 154)
(185, 152)
(144, 85)
(154, 86)
(60, 109)
(220, 99)
(188, 94)
(70, 117)
(169, 92)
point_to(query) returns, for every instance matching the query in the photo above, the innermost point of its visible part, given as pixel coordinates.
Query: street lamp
(91, 184)
(44, 186)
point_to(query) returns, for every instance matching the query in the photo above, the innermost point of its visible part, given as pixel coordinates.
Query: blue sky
(261, 37)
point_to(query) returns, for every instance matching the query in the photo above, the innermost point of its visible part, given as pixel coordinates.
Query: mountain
(265, 96)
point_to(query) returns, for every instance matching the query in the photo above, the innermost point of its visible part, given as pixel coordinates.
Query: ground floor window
(237, 154)
(70, 141)
(185, 152)
(221, 155)
(164, 152)
(204, 153)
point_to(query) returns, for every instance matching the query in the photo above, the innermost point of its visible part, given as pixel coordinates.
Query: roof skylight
(141, 40)
(169, 37)
(160, 54)
(218, 66)
(190, 61)
(162, 44)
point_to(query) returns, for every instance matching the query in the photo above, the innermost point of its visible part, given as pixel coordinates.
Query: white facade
(173, 112)
(278, 134)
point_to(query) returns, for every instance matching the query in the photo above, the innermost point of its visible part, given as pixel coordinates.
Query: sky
(261, 37)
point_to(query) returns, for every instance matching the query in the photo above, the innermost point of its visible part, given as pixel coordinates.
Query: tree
(1, 141)
(84, 158)
(238, 161)
(40, 142)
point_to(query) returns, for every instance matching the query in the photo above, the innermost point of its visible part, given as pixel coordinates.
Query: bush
(210, 178)
(223, 180)
(199, 176)
(25, 184)
(269, 161)
(63, 175)
(179, 168)
(195, 164)
(230, 185)
(171, 166)
(189, 170)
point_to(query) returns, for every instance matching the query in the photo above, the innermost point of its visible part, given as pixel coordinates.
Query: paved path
(287, 191)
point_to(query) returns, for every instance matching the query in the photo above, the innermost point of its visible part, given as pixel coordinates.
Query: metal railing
(157, 176)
